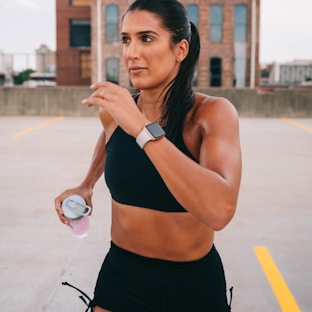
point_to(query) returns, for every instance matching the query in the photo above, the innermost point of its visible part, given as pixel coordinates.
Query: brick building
(73, 42)
(229, 32)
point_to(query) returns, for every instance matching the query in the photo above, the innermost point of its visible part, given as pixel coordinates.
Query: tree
(23, 76)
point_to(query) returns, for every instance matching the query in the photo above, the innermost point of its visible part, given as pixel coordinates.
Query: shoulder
(210, 111)
(210, 118)
(211, 106)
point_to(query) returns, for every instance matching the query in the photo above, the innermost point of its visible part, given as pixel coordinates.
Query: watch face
(156, 130)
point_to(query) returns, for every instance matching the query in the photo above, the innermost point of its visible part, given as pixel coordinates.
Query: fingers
(89, 203)
(86, 193)
(106, 95)
(105, 90)
(93, 100)
(101, 84)
(58, 206)
(100, 90)
(97, 97)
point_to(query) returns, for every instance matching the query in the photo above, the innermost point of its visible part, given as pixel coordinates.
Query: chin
(139, 85)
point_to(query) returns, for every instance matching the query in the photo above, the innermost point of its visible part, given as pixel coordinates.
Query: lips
(136, 69)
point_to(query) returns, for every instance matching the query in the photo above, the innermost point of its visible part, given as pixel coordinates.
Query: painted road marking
(39, 126)
(282, 293)
(297, 124)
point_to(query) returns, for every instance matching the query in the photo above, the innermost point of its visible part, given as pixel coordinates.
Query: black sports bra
(132, 178)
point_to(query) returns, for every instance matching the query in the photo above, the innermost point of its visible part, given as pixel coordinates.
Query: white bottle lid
(74, 207)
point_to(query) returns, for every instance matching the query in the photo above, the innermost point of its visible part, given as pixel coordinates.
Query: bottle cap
(74, 207)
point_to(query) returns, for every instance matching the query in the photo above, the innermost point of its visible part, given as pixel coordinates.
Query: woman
(173, 166)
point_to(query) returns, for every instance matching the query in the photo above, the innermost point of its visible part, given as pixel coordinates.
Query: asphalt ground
(266, 249)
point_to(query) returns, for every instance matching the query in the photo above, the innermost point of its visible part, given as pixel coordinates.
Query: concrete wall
(280, 103)
(54, 101)
(45, 101)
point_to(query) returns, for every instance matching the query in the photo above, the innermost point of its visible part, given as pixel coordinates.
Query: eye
(125, 39)
(147, 38)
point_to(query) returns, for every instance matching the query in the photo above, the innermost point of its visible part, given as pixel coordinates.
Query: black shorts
(128, 282)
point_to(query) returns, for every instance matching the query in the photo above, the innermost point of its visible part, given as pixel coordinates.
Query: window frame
(213, 75)
(85, 64)
(115, 66)
(111, 27)
(189, 8)
(74, 39)
(216, 24)
(240, 25)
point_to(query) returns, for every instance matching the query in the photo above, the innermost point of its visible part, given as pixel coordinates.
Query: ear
(181, 50)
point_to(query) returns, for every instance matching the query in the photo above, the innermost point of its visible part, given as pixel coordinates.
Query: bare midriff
(176, 236)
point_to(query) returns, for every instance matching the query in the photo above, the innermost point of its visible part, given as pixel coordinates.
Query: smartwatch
(150, 132)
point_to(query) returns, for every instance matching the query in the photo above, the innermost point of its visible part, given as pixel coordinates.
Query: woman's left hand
(119, 104)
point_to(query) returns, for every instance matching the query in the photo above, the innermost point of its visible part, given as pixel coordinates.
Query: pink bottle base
(80, 228)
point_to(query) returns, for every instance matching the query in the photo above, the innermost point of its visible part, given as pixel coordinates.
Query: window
(112, 70)
(240, 45)
(80, 33)
(240, 23)
(79, 2)
(111, 18)
(216, 21)
(215, 72)
(85, 64)
(192, 11)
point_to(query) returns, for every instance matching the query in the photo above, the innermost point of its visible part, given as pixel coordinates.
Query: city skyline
(284, 30)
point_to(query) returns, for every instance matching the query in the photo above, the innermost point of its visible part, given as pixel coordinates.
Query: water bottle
(76, 211)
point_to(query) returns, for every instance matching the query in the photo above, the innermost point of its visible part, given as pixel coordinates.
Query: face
(150, 58)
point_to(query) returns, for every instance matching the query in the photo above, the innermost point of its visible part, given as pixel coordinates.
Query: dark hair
(179, 93)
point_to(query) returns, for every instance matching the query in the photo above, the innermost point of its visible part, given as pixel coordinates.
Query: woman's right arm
(85, 189)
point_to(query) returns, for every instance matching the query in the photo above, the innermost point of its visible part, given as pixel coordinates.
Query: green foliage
(22, 76)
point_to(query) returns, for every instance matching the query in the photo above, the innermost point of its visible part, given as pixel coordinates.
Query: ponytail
(180, 95)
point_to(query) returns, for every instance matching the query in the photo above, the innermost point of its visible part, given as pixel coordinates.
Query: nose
(132, 50)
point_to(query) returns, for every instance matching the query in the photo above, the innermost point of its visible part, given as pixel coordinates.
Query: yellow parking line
(282, 293)
(297, 124)
(41, 125)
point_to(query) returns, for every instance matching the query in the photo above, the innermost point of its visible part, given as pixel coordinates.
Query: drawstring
(231, 296)
(83, 296)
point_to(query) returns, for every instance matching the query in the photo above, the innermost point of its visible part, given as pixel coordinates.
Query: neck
(151, 109)
(149, 100)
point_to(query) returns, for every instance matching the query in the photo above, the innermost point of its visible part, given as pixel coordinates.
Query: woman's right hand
(84, 192)
(118, 103)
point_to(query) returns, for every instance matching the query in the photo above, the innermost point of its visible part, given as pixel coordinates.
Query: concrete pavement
(37, 252)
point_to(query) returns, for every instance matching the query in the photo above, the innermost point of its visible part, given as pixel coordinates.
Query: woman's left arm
(207, 189)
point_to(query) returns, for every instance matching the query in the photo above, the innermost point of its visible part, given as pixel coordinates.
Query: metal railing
(72, 71)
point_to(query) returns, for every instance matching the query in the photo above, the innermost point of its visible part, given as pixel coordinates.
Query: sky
(285, 30)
